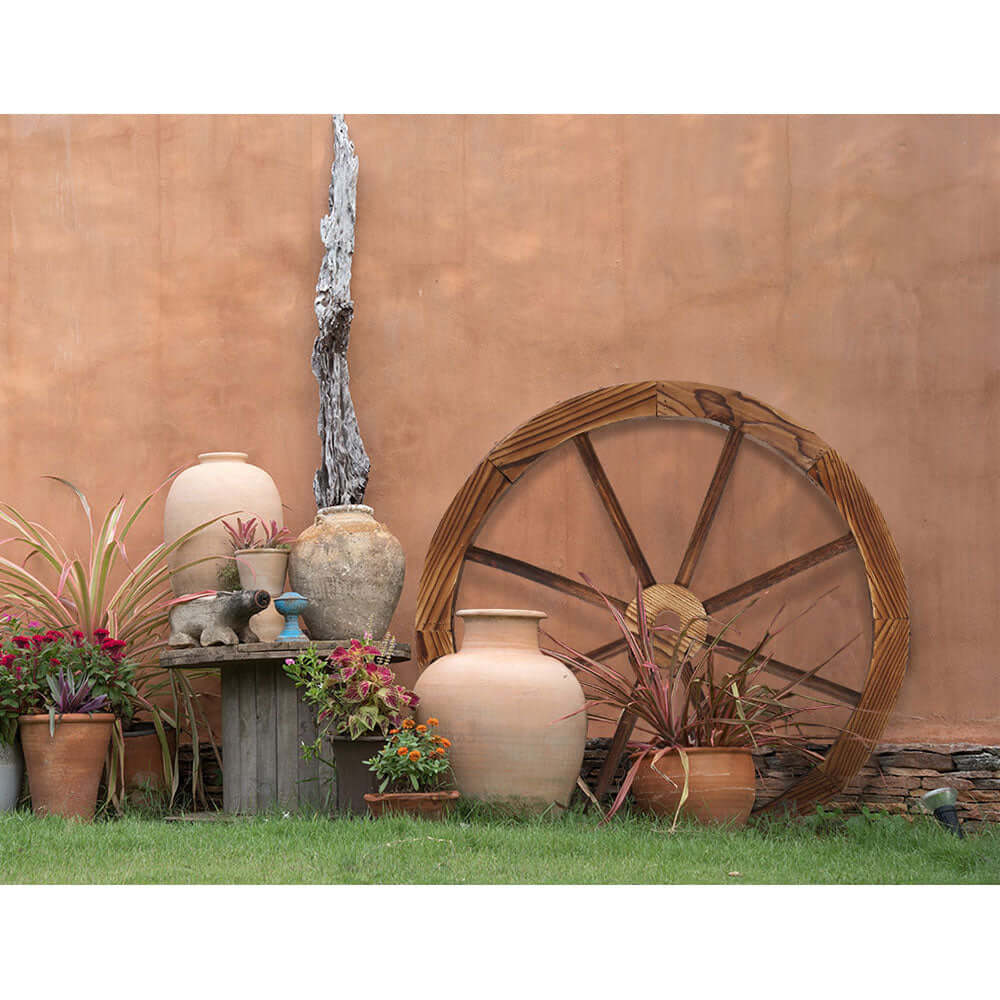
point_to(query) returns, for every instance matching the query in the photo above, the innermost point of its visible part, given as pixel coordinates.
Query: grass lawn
(473, 847)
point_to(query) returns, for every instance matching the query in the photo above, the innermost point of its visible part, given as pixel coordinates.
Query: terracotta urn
(508, 709)
(422, 805)
(144, 771)
(222, 482)
(264, 569)
(350, 568)
(11, 774)
(721, 785)
(64, 769)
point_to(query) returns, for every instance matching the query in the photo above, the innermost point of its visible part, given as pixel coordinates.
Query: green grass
(480, 847)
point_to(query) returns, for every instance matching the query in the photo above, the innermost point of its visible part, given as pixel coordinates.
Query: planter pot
(504, 704)
(64, 770)
(423, 805)
(350, 568)
(264, 569)
(222, 482)
(721, 785)
(144, 761)
(354, 780)
(11, 774)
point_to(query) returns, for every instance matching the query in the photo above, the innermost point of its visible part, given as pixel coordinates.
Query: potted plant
(261, 564)
(11, 758)
(697, 726)
(95, 592)
(357, 701)
(411, 769)
(69, 691)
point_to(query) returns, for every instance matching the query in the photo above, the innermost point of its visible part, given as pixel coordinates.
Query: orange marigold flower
(421, 729)
(437, 753)
(392, 732)
(409, 724)
(402, 751)
(445, 742)
(414, 755)
(432, 722)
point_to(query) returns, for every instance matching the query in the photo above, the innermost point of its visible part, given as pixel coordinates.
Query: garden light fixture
(941, 801)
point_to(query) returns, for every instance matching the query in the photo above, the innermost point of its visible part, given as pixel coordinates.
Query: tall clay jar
(504, 704)
(221, 482)
(350, 568)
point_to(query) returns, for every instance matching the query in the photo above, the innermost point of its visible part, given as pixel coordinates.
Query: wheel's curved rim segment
(743, 416)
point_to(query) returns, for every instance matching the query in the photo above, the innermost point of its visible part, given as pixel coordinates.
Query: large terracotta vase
(264, 569)
(350, 568)
(11, 774)
(507, 708)
(221, 483)
(721, 785)
(64, 769)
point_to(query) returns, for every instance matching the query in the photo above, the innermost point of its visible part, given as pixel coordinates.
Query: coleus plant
(353, 689)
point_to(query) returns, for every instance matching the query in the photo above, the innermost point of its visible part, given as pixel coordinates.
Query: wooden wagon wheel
(743, 416)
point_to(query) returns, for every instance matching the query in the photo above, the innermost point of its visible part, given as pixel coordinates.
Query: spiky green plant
(134, 610)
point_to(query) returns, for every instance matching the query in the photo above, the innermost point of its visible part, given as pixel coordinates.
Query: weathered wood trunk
(343, 475)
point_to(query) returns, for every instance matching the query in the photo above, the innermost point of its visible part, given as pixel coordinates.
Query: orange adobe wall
(156, 301)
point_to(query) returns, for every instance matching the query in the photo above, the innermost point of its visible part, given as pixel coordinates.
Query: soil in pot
(721, 785)
(423, 805)
(64, 769)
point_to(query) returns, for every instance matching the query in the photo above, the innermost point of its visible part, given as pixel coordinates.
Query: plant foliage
(415, 758)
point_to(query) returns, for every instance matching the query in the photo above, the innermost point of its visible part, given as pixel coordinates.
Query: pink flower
(34, 624)
(289, 662)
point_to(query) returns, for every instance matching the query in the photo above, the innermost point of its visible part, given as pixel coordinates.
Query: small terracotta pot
(264, 569)
(64, 770)
(424, 805)
(721, 785)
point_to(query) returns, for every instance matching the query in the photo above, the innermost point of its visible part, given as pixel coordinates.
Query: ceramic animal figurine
(222, 619)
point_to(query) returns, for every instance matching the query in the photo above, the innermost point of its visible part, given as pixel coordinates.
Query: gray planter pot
(11, 775)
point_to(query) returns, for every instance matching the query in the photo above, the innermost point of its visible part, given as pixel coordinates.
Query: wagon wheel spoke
(528, 571)
(709, 506)
(839, 692)
(788, 569)
(614, 509)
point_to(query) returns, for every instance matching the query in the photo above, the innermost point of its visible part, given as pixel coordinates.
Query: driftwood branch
(343, 475)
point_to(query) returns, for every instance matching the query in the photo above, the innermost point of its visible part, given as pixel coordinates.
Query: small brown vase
(423, 805)
(64, 770)
(721, 785)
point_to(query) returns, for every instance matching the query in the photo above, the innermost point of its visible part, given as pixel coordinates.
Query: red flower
(39, 640)
(54, 634)
(101, 633)
(22, 642)
(54, 660)
(78, 637)
(17, 670)
(6, 660)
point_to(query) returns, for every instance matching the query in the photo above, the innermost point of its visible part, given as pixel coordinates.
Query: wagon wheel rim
(742, 417)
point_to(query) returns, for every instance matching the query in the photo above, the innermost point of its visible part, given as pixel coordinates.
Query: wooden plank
(432, 643)
(708, 507)
(528, 571)
(230, 739)
(614, 510)
(763, 423)
(287, 751)
(454, 533)
(248, 738)
(882, 564)
(783, 572)
(515, 453)
(202, 657)
(267, 736)
(308, 770)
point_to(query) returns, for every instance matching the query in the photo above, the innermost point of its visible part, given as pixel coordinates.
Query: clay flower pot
(264, 569)
(423, 805)
(222, 482)
(509, 712)
(64, 770)
(721, 785)
(144, 760)
(350, 568)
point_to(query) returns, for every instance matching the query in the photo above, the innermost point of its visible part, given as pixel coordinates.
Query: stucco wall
(156, 301)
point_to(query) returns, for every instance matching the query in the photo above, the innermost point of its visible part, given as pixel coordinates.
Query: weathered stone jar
(508, 709)
(351, 569)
